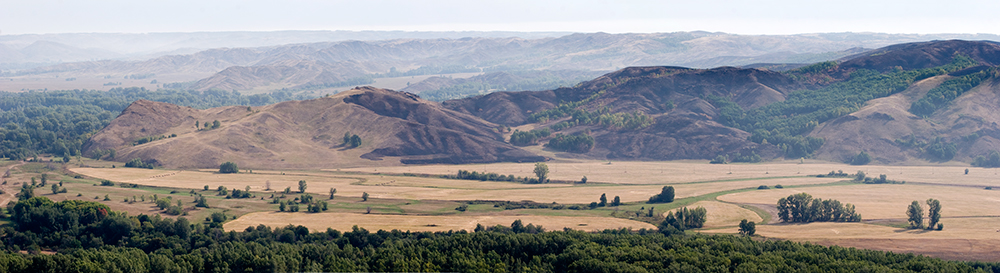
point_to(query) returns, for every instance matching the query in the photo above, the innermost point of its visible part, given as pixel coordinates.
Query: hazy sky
(742, 17)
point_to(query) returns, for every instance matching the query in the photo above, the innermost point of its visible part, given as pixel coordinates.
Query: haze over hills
(21, 51)
(273, 60)
(831, 110)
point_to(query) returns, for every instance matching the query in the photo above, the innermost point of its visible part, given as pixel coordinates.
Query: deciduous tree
(915, 215)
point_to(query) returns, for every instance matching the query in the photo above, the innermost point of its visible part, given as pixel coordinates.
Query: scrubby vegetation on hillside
(784, 123)
(948, 91)
(575, 143)
(60, 122)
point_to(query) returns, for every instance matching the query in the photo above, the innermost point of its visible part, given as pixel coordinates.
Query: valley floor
(416, 198)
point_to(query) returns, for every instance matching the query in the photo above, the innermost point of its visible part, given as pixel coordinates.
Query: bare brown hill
(395, 126)
(685, 126)
(445, 88)
(923, 55)
(651, 90)
(288, 73)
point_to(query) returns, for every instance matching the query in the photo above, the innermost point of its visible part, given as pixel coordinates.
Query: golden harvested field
(962, 238)
(971, 214)
(633, 172)
(954, 228)
(345, 221)
(422, 188)
(723, 214)
(670, 172)
(888, 201)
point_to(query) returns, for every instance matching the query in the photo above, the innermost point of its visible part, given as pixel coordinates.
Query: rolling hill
(337, 59)
(306, 134)
(831, 110)
(929, 101)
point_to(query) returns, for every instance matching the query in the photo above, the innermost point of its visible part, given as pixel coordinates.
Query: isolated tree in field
(196, 124)
(55, 188)
(282, 206)
(616, 202)
(202, 202)
(45, 179)
(364, 196)
(542, 172)
(347, 138)
(216, 124)
(302, 186)
(666, 195)
(332, 192)
(604, 200)
(747, 228)
(916, 215)
(228, 167)
(933, 212)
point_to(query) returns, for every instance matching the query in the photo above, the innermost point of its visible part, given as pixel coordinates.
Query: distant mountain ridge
(593, 51)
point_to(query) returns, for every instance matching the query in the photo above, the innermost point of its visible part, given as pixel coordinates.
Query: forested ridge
(88, 237)
(59, 122)
(785, 123)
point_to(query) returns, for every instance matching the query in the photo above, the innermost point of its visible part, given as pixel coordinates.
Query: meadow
(416, 198)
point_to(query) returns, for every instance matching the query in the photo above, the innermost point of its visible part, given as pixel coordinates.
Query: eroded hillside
(393, 126)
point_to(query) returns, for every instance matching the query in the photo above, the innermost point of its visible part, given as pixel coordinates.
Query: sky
(739, 17)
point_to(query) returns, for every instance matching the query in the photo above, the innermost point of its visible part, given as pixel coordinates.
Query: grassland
(345, 221)
(729, 192)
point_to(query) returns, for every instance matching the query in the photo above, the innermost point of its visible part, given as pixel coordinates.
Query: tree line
(88, 237)
(802, 208)
(522, 138)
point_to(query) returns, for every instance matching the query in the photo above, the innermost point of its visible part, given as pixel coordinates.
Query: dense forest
(59, 122)
(87, 236)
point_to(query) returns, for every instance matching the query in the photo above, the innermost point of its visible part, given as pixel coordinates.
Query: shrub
(228, 167)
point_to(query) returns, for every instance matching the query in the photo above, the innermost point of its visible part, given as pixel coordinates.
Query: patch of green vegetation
(784, 123)
(764, 215)
(356, 207)
(482, 208)
(949, 90)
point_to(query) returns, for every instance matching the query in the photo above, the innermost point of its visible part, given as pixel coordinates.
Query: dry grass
(345, 221)
(634, 172)
(972, 235)
(961, 239)
(723, 214)
(888, 201)
(422, 188)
